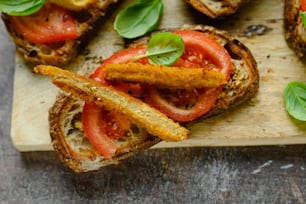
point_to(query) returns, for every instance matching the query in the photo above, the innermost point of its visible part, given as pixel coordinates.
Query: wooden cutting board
(262, 121)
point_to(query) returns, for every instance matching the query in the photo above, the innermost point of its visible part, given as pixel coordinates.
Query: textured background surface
(181, 175)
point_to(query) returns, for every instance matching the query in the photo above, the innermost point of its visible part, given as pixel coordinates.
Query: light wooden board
(262, 121)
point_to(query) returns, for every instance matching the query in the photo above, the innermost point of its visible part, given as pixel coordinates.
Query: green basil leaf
(303, 16)
(165, 48)
(139, 18)
(295, 99)
(21, 7)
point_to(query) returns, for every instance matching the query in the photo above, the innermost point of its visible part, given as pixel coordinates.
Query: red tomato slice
(50, 24)
(200, 102)
(303, 5)
(200, 51)
(97, 128)
(101, 125)
(120, 57)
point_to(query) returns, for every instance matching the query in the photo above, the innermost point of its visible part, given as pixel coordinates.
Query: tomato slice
(123, 56)
(120, 57)
(101, 125)
(303, 5)
(200, 51)
(200, 102)
(95, 125)
(50, 24)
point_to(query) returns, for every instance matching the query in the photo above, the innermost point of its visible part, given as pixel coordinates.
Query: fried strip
(155, 122)
(165, 77)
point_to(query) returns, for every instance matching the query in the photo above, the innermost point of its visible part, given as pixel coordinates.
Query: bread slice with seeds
(61, 53)
(74, 149)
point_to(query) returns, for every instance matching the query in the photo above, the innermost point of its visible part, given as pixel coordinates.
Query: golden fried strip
(165, 77)
(155, 122)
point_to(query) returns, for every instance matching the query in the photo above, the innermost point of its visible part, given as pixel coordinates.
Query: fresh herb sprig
(21, 7)
(295, 99)
(139, 18)
(164, 48)
(303, 17)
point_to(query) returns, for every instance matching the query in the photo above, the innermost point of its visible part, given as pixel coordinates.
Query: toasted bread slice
(214, 9)
(72, 146)
(295, 31)
(60, 53)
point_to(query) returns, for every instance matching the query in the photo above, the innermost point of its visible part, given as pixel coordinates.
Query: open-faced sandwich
(52, 31)
(138, 98)
(217, 8)
(295, 29)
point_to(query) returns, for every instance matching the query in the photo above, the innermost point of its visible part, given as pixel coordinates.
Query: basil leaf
(295, 99)
(21, 7)
(165, 48)
(139, 18)
(303, 16)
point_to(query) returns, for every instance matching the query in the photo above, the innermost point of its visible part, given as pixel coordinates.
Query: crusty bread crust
(73, 147)
(60, 53)
(295, 32)
(214, 9)
(75, 151)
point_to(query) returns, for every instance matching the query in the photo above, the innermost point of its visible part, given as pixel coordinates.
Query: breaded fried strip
(155, 122)
(166, 77)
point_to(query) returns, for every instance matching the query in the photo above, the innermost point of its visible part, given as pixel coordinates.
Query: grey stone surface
(181, 175)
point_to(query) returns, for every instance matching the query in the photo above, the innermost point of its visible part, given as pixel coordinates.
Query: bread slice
(214, 9)
(60, 53)
(295, 31)
(72, 146)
